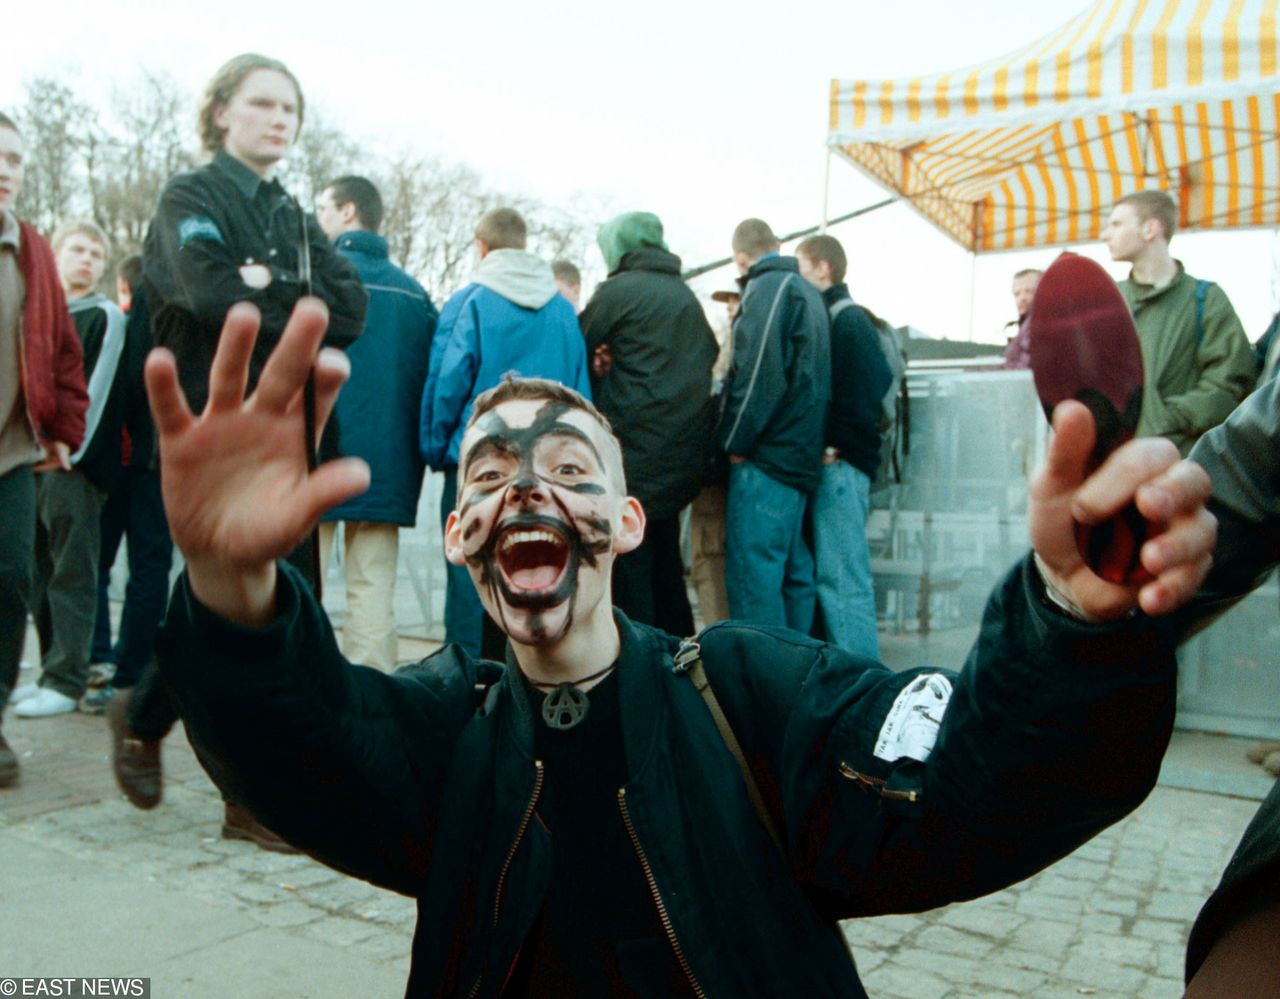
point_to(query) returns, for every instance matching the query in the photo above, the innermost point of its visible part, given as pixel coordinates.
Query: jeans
(64, 591)
(17, 550)
(134, 510)
(843, 559)
(463, 613)
(767, 568)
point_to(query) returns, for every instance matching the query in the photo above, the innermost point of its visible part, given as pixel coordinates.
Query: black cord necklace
(565, 705)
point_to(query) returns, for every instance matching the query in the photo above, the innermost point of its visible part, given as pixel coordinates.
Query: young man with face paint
(572, 823)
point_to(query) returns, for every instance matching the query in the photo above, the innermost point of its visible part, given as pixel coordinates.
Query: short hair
(361, 192)
(828, 249)
(81, 227)
(513, 387)
(226, 81)
(503, 229)
(564, 271)
(1027, 272)
(754, 238)
(130, 270)
(9, 123)
(1156, 205)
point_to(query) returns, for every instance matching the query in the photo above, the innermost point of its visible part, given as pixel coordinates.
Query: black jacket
(209, 223)
(860, 377)
(657, 394)
(425, 782)
(775, 402)
(1243, 462)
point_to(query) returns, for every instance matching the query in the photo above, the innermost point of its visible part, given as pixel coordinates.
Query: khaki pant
(370, 553)
(706, 554)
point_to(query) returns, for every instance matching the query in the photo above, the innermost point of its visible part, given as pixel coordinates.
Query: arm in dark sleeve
(860, 373)
(343, 761)
(759, 378)
(335, 280)
(190, 264)
(599, 319)
(1053, 730)
(69, 382)
(1242, 457)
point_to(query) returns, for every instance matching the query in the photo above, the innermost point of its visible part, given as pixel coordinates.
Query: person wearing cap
(656, 392)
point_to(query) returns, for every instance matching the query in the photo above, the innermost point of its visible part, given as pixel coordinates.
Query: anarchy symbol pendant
(564, 707)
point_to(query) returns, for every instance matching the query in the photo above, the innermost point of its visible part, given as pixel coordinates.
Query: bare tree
(58, 128)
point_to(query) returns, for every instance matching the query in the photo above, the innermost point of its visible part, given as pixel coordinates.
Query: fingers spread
(332, 483)
(287, 369)
(331, 370)
(168, 404)
(230, 371)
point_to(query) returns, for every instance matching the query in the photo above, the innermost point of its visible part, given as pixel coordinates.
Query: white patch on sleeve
(911, 727)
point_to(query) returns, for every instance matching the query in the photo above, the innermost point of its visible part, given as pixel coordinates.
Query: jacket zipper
(875, 784)
(657, 898)
(511, 854)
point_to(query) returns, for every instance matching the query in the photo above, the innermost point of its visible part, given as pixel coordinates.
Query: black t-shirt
(599, 933)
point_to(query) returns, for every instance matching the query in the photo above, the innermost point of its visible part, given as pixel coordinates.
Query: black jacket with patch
(426, 781)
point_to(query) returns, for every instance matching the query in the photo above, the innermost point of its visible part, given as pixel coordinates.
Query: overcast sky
(704, 112)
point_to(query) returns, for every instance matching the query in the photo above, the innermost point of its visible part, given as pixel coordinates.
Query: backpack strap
(688, 659)
(835, 308)
(1202, 289)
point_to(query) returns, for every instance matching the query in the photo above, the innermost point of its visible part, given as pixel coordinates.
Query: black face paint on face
(530, 560)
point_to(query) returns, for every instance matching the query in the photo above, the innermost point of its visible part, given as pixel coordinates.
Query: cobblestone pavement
(1110, 921)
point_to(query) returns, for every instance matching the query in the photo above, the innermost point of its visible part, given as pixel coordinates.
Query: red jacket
(52, 359)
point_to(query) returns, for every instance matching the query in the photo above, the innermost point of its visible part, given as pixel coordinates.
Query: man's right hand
(236, 486)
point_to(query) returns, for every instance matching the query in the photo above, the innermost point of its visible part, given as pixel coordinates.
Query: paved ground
(93, 887)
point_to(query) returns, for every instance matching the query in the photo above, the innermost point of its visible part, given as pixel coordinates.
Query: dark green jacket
(425, 782)
(1195, 374)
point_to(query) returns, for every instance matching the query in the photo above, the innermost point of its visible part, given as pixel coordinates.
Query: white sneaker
(45, 703)
(24, 693)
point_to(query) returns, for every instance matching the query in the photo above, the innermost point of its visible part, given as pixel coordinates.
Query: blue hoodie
(509, 319)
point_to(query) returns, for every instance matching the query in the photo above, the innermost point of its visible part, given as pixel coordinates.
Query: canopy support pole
(826, 192)
(973, 284)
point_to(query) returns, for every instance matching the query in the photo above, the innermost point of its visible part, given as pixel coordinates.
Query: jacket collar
(1145, 292)
(644, 651)
(246, 181)
(772, 262)
(838, 292)
(371, 244)
(649, 258)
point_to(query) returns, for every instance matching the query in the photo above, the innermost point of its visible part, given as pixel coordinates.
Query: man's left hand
(1148, 472)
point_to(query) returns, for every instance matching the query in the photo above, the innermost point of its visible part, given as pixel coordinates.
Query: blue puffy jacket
(378, 406)
(510, 318)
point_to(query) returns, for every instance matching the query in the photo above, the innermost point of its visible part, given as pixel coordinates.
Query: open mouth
(533, 560)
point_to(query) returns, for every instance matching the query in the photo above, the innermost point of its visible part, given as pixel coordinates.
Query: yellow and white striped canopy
(1031, 150)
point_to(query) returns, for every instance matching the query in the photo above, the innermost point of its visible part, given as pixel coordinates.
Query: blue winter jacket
(378, 406)
(510, 318)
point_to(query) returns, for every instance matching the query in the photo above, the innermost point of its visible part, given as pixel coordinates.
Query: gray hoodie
(518, 276)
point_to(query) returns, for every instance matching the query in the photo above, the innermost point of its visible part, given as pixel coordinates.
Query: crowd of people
(563, 492)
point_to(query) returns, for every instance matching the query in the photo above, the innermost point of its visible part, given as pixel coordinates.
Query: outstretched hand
(1168, 492)
(237, 491)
